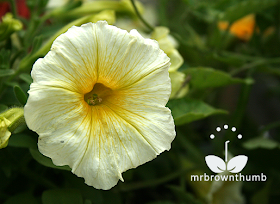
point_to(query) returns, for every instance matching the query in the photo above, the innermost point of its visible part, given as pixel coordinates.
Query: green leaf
(62, 196)
(6, 72)
(260, 142)
(8, 97)
(228, 59)
(189, 110)
(202, 77)
(45, 160)
(26, 77)
(22, 140)
(21, 97)
(12, 83)
(244, 8)
(5, 55)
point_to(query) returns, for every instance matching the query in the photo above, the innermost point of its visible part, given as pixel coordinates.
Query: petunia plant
(121, 101)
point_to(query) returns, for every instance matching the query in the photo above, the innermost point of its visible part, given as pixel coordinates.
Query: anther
(94, 100)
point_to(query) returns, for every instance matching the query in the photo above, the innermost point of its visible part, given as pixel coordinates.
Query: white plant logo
(234, 165)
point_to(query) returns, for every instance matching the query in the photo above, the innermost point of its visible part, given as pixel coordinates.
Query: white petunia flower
(98, 101)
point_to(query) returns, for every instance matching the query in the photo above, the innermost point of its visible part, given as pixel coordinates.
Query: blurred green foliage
(231, 81)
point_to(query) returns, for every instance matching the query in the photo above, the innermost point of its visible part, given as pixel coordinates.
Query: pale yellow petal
(125, 58)
(143, 106)
(71, 63)
(176, 60)
(48, 108)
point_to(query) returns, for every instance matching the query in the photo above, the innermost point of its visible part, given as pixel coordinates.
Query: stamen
(94, 100)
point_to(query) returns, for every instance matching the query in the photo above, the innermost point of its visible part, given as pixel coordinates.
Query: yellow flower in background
(98, 101)
(242, 28)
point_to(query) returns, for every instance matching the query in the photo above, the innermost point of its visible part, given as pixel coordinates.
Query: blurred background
(225, 62)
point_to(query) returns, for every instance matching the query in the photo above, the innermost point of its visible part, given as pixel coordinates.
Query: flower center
(98, 94)
(93, 100)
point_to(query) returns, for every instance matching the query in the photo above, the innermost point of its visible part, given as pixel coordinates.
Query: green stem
(162, 13)
(257, 62)
(247, 66)
(140, 17)
(242, 104)
(16, 55)
(14, 8)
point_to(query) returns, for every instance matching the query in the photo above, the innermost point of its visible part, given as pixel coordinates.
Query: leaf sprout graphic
(234, 165)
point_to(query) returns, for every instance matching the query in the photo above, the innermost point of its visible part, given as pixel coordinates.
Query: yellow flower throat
(98, 94)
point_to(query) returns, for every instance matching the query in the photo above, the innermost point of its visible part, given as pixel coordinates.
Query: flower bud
(168, 44)
(4, 132)
(9, 121)
(8, 26)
